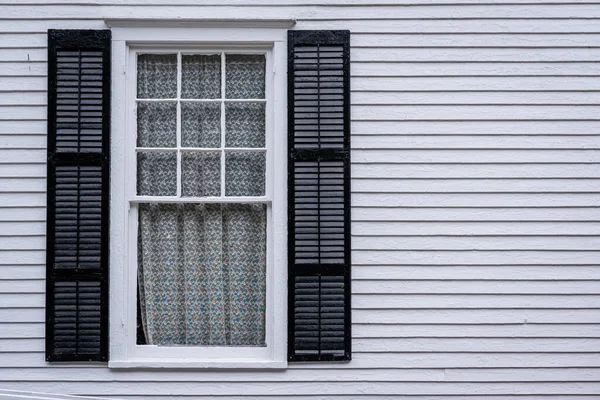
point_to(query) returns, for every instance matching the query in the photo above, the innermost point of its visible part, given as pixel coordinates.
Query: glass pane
(245, 125)
(201, 174)
(245, 173)
(157, 76)
(245, 74)
(201, 76)
(200, 124)
(157, 124)
(157, 173)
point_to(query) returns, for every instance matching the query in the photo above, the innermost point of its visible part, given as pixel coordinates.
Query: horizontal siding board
(471, 142)
(22, 171)
(475, 228)
(21, 229)
(476, 316)
(382, 375)
(16, 99)
(22, 257)
(407, 302)
(350, 397)
(405, 214)
(22, 286)
(402, 97)
(447, 25)
(477, 331)
(475, 345)
(379, 40)
(455, 214)
(407, 112)
(31, 185)
(481, 273)
(464, 301)
(32, 141)
(21, 243)
(511, 40)
(466, 257)
(13, 272)
(474, 199)
(369, 69)
(405, 287)
(23, 214)
(442, 55)
(457, 185)
(22, 156)
(308, 12)
(483, 170)
(295, 3)
(385, 84)
(522, 127)
(478, 272)
(461, 156)
(326, 388)
(507, 242)
(21, 199)
(17, 316)
(399, 361)
(23, 127)
(470, 112)
(24, 55)
(473, 69)
(36, 330)
(427, 287)
(23, 83)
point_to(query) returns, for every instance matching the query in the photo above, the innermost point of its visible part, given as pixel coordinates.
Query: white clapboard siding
(475, 194)
(465, 199)
(501, 127)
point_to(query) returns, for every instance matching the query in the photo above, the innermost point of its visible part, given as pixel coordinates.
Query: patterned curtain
(202, 274)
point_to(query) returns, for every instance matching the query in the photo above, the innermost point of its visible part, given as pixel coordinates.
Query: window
(167, 146)
(202, 198)
(204, 204)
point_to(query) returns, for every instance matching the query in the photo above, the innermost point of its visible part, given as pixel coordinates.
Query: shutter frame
(322, 276)
(78, 164)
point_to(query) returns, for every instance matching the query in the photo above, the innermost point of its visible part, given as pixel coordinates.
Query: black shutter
(78, 195)
(319, 195)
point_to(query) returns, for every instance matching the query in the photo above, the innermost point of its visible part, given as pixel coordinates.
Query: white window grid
(223, 149)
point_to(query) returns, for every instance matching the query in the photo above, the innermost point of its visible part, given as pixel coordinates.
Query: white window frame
(195, 36)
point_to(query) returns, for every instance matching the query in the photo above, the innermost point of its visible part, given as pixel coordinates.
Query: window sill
(199, 364)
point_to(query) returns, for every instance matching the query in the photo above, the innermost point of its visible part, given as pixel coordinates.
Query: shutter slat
(78, 173)
(319, 196)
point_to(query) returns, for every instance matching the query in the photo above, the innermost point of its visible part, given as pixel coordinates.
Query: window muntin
(201, 125)
(201, 142)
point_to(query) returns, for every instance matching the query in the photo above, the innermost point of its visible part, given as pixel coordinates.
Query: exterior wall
(476, 135)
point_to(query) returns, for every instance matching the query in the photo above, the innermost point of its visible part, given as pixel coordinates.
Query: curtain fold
(201, 274)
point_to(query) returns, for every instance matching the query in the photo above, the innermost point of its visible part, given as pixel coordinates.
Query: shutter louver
(78, 195)
(319, 195)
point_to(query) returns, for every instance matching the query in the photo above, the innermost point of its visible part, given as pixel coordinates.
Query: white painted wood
(128, 41)
(23, 11)
(473, 171)
(475, 187)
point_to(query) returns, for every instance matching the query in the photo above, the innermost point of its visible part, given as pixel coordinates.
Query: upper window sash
(223, 149)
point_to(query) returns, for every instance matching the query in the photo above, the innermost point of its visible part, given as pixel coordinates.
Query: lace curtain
(201, 267)
(203, 276)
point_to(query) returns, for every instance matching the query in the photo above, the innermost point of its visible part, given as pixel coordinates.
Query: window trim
(124, 352)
